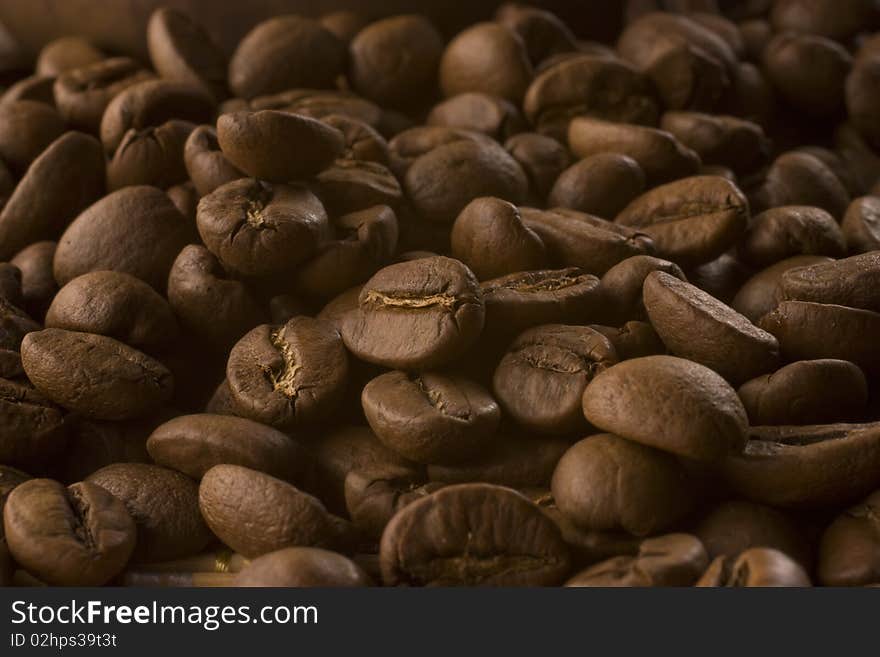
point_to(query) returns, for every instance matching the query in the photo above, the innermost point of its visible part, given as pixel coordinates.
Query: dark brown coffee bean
(489, 58)
(812, 466)
(733, 527)
(258, 143)
(152, 103)
(862, 99)
(670, 560)
(116, 305)
(490, 115)
(722, 140)
(803, 329)
(165, 508)
(10, 478)
(842, 169)
(288, 376)
(605, 482)
(848, 553)
(602, 185)
(588, 85)
(543, 33)
(193, 444)
(850, 282)
(542, 159)
(691, 221)
(206, 164)
(65, 54)
(26, 130)
(134, 230)
(181, 50)
(489, 236)
(762, 292)
(472, 534)
(836, 20)
(759, 566)
(33, 87)
(660, 155)
(255, 513)
(696, 326)
(343, 24)
(353, 185)
(787, 231)
(430, 418)
(152, 156)
(94, 375)
(407, 76)
(797, 178)
(285, 52)
(14, 325)
(633, 340)
(62, 181)
(807, 392)
(208, 302)
(302, 567)
(861, 225)
(669, 403)
(541, 379)
(362, 141)
(32, 431)
(75, 536)
(622, 284)
(185, 199)
(414, 142)
(255, 228)
(82, 94)
(320, 103)
(416, 315)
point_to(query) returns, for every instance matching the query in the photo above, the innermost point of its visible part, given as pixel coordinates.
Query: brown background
(118, 25)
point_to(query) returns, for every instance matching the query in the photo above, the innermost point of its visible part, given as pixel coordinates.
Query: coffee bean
(165, 508)
(288, 376)
(622, 284)
(542, 159)
(362, 141)
(205, 163)
(849, 282)
(153, 156)
(26, 130)
(472, 534)
(810, 466)
(343, 24)
(788, 231)
(116, 305)
(862, 97)
(94, 375)
(721, 140)
(602, 185)
(32, 430)
(633, 339)
(75, 536)
(801, 179)
(762, 292)
(185, 199)
(760, 566)
(353, 185)
(848, 551)
(301, 567)
(702, 418)
(543, 33)
(435, 302)
(65, 54)
(831, 19)
(861, 225)
(490, 115)
(605, 482)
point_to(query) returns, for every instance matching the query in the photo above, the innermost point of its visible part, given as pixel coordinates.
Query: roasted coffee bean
(472, 534)
(836, 20)
(32, 430)
(669, 403)
(75, 536)
(633, 340)
(602, 185)
(490, 115)
(696, 326)
(116, 305)
(185, 199)
(848, 554)
(344, 24)
(82, 94)
(416, 315)
(490, 237)
(542, 159)
(622, 284)
(9, 479)
(206, 164)
(301, 567)
(811, 466)
(762, 292)
(288, 376)
(94, 375)
(541, 379)
(352, 185)
(285, 52)
(362, 141)
(849, 282)
(165, 508)
(807, 392)
(152, 156)
(193, 444)
(543, 33)
(691, 221)
(430, 418)
(605, 482)
(62, 181)
(258, 143)
(787, 231)
(760, 566)
(181, 50)
(257, 229)
(862, 98)
(803, 327)
(797, 178)
(318, 104)
(65, 54)
(670, 560)
(733, 527)
(255, 513)
(26, 130)
(660, 155)
(134, 230)
(33, 87)
(208, 302)
(861, 225)
(721, 140)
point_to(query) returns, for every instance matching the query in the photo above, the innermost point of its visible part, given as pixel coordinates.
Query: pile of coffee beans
(367, 304)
